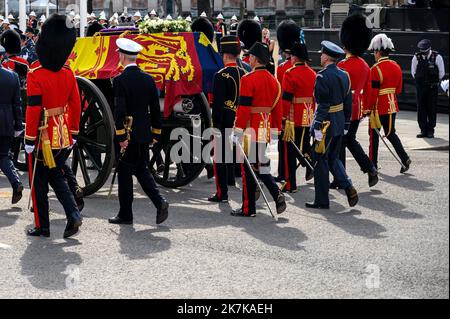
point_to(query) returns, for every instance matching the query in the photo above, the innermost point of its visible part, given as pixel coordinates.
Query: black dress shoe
(72, 228)
(317, 206)
(406, 168)
(430, 135)
(281, 204)
(162, 213)
(240, 213)
(36, 232)
(286, 190)
(217, 199)
(119, 221)
(17, 194)
(352, 196)
(373, 178)
(421, 135)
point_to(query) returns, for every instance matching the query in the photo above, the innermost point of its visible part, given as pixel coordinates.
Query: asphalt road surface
(393, 244)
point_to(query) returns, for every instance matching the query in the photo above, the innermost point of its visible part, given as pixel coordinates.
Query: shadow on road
(47, 264)
(141, 244)
(407, 181)
(7, 218)
(374, 200)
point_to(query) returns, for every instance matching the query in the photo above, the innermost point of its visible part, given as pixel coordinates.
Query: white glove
(345, 132)
(29, 149)
(274, 140)
(17, 133)
(318, 135)
(74, 142)
(235, 139)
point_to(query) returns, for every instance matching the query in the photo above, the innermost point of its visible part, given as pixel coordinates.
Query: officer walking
(356, 36)
(225, 99)
(52, 123)
(298, 107)
(258, 120)
(288, 32)
(387, 83)
(11, 119)
(333, 94)
(137, 102)
(427, 68)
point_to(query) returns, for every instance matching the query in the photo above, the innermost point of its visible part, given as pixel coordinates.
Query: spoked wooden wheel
(93, 155)
(167, 169)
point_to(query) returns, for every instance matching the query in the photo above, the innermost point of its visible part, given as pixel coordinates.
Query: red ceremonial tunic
(387, 82)
(260, 106)
(298, 94)
(360, 77)
(282, 68)
(54, 92)
(12, 61)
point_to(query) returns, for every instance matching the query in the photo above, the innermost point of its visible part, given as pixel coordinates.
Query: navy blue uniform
(136, 95)
(11, 120)
(334, 104)
(226, 93)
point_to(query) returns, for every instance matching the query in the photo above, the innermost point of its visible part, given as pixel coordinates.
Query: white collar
(130, 65)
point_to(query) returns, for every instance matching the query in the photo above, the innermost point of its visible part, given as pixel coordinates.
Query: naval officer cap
(331, 49)
(128, 47)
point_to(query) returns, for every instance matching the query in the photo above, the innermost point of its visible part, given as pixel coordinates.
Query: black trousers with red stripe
(224, 164)
(388, 123)
(303, 142)
(261, 166)
(55, 177)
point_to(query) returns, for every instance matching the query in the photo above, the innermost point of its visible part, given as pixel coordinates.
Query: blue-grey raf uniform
(334, 104)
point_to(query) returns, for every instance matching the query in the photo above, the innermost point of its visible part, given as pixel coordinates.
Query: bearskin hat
(56, 42)
(249, 32)
(355, 35)
(93, 28)
(10, 40)
(288, 32)
(202, 24)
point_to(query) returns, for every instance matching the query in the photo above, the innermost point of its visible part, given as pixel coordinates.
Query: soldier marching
(312, 117)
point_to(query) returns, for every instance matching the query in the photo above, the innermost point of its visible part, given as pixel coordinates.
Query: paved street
(393, 244)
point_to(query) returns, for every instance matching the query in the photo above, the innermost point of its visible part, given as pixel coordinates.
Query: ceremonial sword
(255, 178)
(390, 150)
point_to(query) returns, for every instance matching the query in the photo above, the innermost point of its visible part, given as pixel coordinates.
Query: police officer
(52, 123)
(333, 94)
(136, 96)
(225, 99)
(298, 109)
(387, 83)
(427, 68)
(11, 119)
(258, 120)
(356, 36)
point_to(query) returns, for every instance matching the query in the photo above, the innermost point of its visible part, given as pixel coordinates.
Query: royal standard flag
(181, 63)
